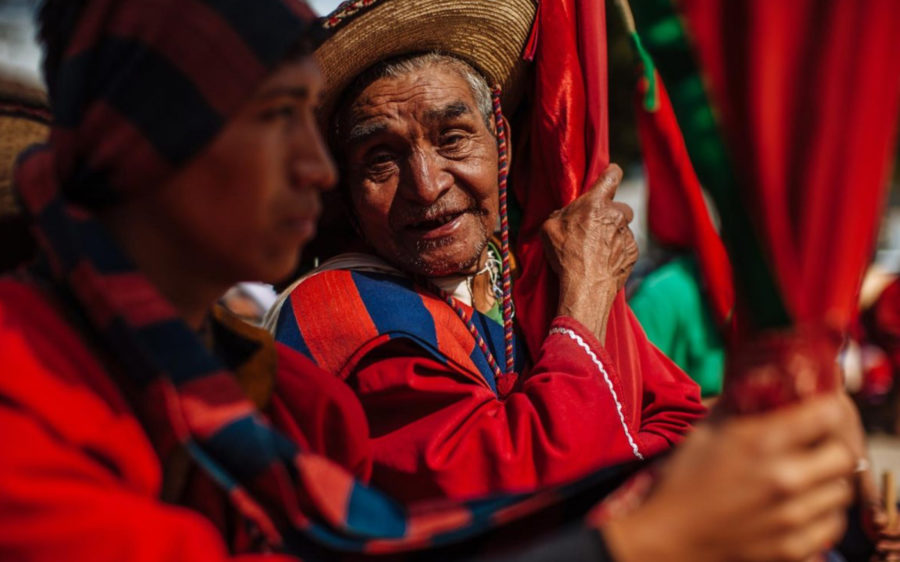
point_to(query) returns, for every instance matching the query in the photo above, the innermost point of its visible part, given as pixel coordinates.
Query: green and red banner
(789, 111)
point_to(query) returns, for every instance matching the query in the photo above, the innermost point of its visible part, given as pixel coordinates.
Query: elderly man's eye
(454, 142)
(452, 139)
(380, 158)
(379, 164)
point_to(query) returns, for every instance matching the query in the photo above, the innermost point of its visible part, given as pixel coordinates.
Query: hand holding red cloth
(567, 150)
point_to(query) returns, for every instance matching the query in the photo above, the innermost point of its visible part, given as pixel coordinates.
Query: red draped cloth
(676, 210)
(568, 148)
(565, 152)
(807, 93)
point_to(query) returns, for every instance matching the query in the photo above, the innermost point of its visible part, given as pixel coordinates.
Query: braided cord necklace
(506, 275)
(503, 176)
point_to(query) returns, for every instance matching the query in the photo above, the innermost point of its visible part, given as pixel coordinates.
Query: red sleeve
(435, 433)
(664, 401)
(319, 412)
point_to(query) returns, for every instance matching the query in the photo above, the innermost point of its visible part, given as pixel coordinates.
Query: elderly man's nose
(427, 179)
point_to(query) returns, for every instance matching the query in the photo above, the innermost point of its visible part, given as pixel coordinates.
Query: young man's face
(421, 169)
(248, 203)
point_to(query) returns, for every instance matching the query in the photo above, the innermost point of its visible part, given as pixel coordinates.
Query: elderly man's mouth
(438, 227)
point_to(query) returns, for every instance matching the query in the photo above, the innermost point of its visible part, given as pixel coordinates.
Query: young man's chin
(275, 269)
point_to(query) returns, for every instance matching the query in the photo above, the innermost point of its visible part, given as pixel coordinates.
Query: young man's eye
(278, 112)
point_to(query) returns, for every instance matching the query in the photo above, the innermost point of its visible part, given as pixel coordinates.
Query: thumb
(608, 182)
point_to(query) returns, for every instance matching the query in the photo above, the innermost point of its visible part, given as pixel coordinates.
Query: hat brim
(488, 34)
(18, 131)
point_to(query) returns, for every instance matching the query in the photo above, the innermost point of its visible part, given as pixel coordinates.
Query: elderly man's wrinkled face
(421, 168)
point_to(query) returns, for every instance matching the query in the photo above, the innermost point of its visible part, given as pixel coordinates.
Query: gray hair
(404, 65)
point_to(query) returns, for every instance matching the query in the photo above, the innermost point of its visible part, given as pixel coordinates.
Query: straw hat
(24, 121)
(488, 34)
(21, 126)
(24, 118)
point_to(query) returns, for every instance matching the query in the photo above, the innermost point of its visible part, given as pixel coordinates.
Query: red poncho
(440, 424)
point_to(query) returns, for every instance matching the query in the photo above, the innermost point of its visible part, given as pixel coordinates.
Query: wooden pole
(889, 491)
(627, 16)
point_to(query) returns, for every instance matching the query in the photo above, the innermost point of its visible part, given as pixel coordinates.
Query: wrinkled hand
(589, 245)
(768, 487)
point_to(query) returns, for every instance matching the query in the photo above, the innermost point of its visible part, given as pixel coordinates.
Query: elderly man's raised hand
(769, 487)
(591, 248)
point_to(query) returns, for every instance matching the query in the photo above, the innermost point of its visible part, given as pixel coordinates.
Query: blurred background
(324, 6)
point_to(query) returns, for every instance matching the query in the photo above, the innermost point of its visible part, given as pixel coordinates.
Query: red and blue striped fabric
(375, 308)
(143, 86)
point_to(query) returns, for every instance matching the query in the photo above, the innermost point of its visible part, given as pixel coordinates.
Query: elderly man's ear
(509, 143)
(348, 209)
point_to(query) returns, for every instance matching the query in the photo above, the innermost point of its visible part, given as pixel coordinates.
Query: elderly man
(420, 323)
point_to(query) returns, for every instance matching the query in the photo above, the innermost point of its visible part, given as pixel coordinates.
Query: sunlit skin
(243, 208)
(421, 169)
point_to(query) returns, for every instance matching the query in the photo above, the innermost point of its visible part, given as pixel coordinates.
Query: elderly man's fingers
(626, 210)
(609, 182)
(632, 252)
(609, 215)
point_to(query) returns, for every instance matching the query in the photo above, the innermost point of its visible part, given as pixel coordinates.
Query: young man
(420, 325)
(138, 425)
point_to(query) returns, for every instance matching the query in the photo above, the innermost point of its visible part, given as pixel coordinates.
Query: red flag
(676, 211)
(809, 98)
(568, 134)
(567, 151)
(806, 96)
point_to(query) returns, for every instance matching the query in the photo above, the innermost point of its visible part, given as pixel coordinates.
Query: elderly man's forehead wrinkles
(450, 111)
(360, 131)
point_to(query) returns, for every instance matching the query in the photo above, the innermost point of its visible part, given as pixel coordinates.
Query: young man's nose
(312, 164)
